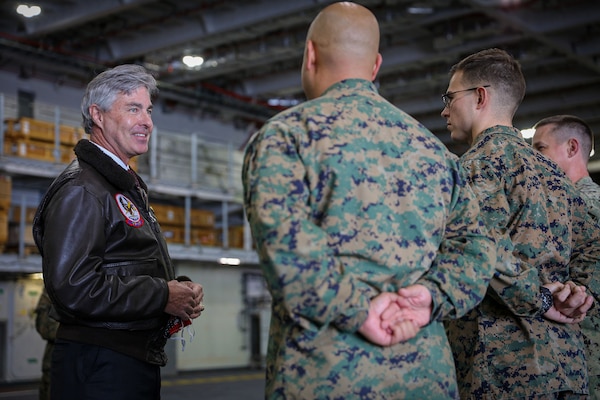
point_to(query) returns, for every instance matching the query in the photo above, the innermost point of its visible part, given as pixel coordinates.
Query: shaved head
(346, 31)
(344, 41)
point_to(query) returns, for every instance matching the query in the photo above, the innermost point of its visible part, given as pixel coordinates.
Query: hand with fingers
(570, 302)
(398, 317)
(413, 307)
(382, 334)
(185, 299)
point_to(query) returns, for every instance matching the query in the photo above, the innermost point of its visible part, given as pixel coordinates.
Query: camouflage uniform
(591, 325)
(347, 196)
(46, 327)
(503, 348)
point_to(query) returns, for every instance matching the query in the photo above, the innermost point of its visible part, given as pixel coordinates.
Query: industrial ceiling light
(419, 9)
(193, 61)
(527, 133)
(229, 261)
(28, 11)
(283, 102)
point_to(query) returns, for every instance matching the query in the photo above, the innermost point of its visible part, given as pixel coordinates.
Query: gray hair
(105, 87)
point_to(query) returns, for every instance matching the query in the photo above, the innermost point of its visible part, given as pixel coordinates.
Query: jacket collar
(111, 171)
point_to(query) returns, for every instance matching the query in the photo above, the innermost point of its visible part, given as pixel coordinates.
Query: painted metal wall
(222, 333)
(231, 333)
(22, 347)
(220, 340)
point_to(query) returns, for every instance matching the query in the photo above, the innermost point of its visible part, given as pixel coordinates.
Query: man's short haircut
(497, 68)
(567, 126)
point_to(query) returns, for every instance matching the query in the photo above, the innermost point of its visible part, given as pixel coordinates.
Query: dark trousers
(88, 372)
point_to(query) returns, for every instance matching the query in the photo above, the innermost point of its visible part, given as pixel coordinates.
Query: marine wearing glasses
(447, 97)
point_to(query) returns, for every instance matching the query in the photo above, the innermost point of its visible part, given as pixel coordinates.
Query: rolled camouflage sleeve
(304, 278)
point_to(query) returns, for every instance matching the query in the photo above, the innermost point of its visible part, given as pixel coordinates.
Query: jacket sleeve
(516, 284)
(304, 277)
(464, 264)
(584, 266)
(74, 242)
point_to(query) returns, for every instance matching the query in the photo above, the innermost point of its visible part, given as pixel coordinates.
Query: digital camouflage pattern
(347, 196)
(591, 325)
(46, 327)
(503, 349)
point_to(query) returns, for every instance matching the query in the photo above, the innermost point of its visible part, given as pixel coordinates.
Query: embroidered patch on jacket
(129, 210)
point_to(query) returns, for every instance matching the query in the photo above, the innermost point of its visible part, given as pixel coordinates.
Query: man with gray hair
(105, 262)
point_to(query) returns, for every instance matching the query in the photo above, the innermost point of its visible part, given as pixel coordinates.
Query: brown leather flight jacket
(105, 262)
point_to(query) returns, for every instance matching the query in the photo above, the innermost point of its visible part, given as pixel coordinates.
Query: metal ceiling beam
(568, 99)
(539, 26)
(284, 82)
(77, 15)
(411, 55)
(210, 23)
(249, 61)
(61, 64)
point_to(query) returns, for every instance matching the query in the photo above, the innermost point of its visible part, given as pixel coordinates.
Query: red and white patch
(129, 210)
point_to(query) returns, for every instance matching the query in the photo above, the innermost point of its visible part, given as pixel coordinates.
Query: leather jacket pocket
(133, 268)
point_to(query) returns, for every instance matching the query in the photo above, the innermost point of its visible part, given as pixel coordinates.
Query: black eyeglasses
(447, 97)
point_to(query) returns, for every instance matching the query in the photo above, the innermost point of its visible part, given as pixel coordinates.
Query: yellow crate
(37, 150)
(25, 127)
(70, 135)
(5, 192)
(236, 237)
(5, 184)
(33, 129)
(204, 237)
(67, 154)
(198, 237)
(168, 214)
(15, 214)
(175, 215)
(3, 227)
(172, 234)
(202, 218)
(4, 202)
